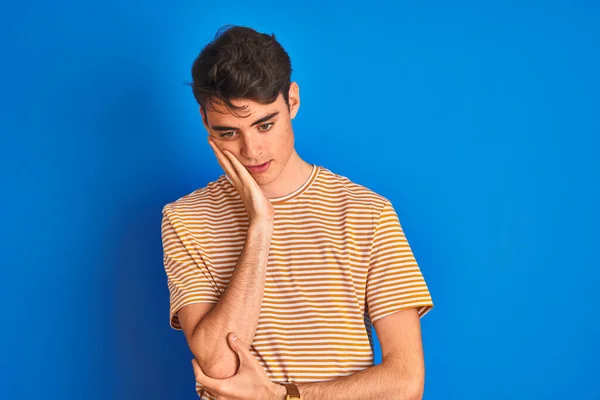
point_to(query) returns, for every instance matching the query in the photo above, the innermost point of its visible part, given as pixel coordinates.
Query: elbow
(415, 388)
(216, 359)
(408, 384)
(415, 395)
(217, 370)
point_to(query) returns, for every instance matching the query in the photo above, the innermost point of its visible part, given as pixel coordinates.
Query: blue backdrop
(479, 121)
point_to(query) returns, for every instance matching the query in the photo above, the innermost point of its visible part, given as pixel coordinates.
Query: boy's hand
(257, 205)
(249, 383)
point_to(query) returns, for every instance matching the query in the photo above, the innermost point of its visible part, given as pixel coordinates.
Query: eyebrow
(222, 128)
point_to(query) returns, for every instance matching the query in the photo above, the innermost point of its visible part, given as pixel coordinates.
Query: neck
(295, 173)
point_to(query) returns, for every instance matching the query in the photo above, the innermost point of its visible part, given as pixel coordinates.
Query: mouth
(258, 168)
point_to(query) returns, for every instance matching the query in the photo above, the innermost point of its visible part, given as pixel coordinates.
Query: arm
(237, 310)
(400, 376)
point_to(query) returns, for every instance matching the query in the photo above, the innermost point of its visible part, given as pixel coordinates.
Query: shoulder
(201, 200)
(344, 190)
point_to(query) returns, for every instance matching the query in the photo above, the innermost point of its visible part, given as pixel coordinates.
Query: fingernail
(234, 338)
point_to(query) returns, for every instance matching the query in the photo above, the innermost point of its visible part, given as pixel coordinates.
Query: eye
(267, 126)
(226, 135)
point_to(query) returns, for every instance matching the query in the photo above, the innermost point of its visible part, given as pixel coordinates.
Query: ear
(294, 99)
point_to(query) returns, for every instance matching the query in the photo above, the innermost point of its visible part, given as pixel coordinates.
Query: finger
(224, 162)
(221, 158)
(234, 341)
(240, 348)
(210, 383)
(241, 171)
(244, 175)
(237, 346)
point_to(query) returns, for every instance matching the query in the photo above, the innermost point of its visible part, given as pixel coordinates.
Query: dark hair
(241, 63)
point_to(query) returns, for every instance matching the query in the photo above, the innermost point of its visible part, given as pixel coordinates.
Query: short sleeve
(188, 279)
(394, 280)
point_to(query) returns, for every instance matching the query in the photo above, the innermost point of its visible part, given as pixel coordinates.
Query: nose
(251, 148)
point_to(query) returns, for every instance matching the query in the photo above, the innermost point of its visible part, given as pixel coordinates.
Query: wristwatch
(292, 391)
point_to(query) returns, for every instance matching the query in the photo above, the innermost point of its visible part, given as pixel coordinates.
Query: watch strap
(292, 391)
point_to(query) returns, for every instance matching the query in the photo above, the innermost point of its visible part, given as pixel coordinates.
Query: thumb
(234, 341)
(238, 347)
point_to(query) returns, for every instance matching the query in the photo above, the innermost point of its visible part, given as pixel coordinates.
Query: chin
(268, 176)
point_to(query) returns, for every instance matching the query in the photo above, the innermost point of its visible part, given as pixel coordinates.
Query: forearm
(381, 382)
(238, 308)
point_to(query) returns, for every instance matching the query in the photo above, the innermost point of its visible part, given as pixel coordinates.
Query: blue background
(479, 122)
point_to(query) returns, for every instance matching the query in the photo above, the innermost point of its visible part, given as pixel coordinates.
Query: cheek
(230, 147)
(285, 138)
(233, 148)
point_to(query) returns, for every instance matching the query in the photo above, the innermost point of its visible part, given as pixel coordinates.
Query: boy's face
(261, 134)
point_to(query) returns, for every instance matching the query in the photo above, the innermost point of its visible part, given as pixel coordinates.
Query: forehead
(218, 112)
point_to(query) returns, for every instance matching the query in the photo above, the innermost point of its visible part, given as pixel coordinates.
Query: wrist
(278, 392)
(262, 225)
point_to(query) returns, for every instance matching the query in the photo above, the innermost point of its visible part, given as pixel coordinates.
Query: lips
(256, 166)
(259, 168)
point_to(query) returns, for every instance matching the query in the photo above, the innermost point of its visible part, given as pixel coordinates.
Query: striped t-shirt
(338, 262)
